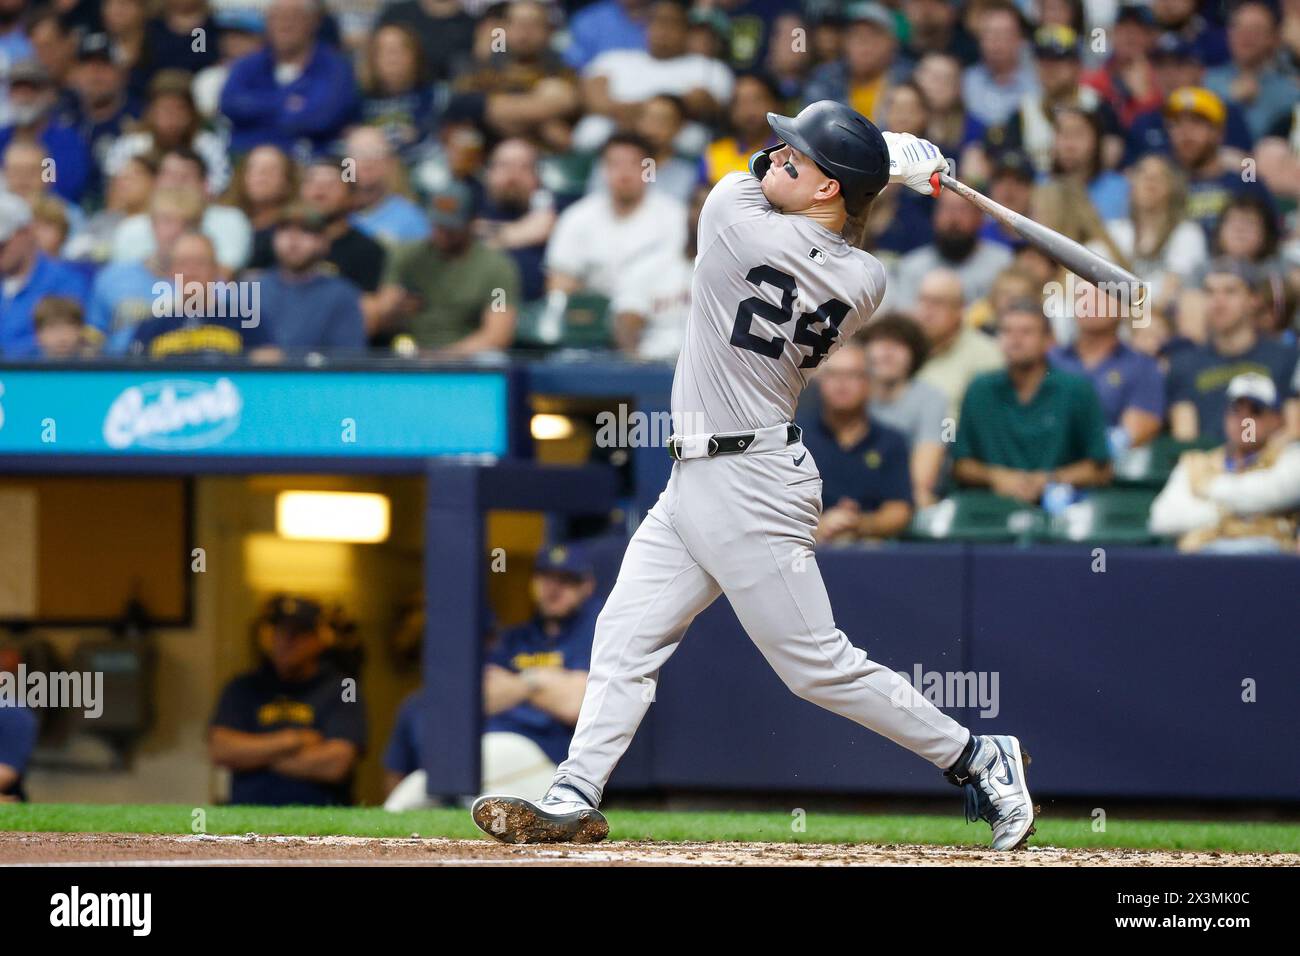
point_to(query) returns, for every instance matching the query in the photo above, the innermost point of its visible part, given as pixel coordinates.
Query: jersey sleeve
(738, 197)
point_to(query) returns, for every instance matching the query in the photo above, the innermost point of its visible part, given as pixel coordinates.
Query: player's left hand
(912, 161)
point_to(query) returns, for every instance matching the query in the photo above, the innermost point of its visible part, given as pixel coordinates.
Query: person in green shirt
(1029, 425)
(450, 292)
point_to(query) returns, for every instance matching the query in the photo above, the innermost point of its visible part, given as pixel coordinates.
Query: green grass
(774, 827)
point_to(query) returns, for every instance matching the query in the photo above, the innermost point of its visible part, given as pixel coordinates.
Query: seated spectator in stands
(1207, 40)
(754, 96)
(1196, 123)
(381, 210)
(1198, 377)
(240, 33)
(397, 97)
(105, 110)
(54, 47)
(866, 485)
(1176, 66)
(449, 290)
(28, 275)
(27, 175)
(1253, 79)
(1165, 248)
(861, 77)
(171, 121)
(618, 82)
(183, 169)
(1077, 155)
(957, 247)
(61, 331)
(661, 121)
(654, 298)
(128, 194)
(170, 36)
(1029, 425)
(1011, 183)
(202, 315)
(32, 117)
(18, 732)
(994, 87)
(951, 126)
(896, 350)
(1126, 77)
(125, 22)
(311, 307)
(265, 182)
(50, 220)
(936, 27)
(606, 25)
(1128, 384)
(957, 352)
(517, 214)
(1012, 284)
(296, 92)
(599, 236)
(1243, 497)
(445, 31)
(900, 220)
(123, 295)
(287, 731)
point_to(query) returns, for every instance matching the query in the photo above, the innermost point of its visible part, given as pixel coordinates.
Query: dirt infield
(124, 849)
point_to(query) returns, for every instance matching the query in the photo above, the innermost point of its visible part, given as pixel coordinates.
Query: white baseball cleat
(559, 817)
(993, 776)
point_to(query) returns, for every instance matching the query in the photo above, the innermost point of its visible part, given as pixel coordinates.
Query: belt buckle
(713, 446)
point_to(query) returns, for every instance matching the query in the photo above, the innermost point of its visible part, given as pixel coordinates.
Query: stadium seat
(978, 516)
(1106, 516)
(584, 325)
(566, 176)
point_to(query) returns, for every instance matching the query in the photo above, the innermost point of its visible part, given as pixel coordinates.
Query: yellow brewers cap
(1198, 100)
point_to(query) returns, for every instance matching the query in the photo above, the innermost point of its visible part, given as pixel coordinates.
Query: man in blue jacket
(295, 92)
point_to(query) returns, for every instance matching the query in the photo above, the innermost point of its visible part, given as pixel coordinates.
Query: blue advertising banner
(164, 412)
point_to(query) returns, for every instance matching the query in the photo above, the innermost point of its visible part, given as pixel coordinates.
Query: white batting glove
(912, 161)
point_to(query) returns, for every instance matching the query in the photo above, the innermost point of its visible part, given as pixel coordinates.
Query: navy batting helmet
(844, 144)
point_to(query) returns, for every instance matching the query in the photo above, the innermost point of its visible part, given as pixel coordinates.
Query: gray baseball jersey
(772, 296)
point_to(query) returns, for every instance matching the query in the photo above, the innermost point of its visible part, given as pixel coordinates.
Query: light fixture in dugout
(545, 427)
(358, 517)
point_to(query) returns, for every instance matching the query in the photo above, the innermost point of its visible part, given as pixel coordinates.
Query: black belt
(732, 444)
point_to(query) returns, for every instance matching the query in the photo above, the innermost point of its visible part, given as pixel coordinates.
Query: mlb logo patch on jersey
(816, 255)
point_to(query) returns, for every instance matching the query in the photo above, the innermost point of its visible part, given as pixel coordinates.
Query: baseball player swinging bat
(776, 289)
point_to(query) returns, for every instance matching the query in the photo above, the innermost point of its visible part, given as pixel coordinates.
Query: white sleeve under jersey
(772, 296)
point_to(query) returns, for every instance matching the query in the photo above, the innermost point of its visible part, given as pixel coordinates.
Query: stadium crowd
(460, 177)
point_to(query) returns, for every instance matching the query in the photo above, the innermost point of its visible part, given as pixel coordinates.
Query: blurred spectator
(654, 298)
(899, 220)
(18, 730)
(61, 331)
(310, 306)
(952, 128)
(1175, 67)
(50, 220)
(397, 96)
(863, 464)
(662, 120)
(787, 61)
(1010, 184)
(200, 314)
(171, 121)
(517, 214)
(1127, 78)
(449, 290)
(1013, 283)
(1181, 17)
(104, 108)
(445, 31)
(228, 228)
(381, 210)
(957, 246)
(1128, 384)
(286, 731)
(934, 27)
(28, 275)
(957, 352)
(1252, 79)
(32, 97)
(868, 66)
(296, 92)
(1196, 117)
(896, 351)
(123, 292)
(600, 236)
(1030, 426)
(27, 175)
(1077, 155)
(1165, 249)
(239, 34)
(1243, 497)
(606, 25)
(1199, 377)
(755, 96)
(126, 23)
(265, 181)
(617, 83)
(15, 46)
(54, 45)
(183, 36)
(994, 87)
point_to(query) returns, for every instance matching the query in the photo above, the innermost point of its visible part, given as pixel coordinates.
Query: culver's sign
(173, 414)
